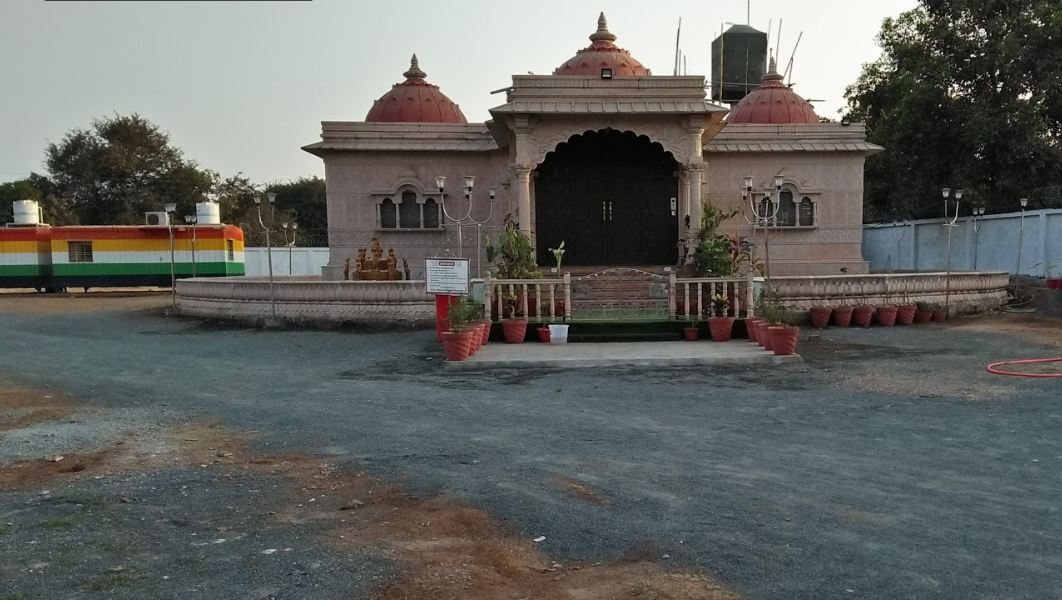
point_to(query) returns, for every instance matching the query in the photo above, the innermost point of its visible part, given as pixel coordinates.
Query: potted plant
(459, 339)
(752, 329)
(771, 309)
(691, 332)
(781, 337)
(842, 315)
(543, 332)
(905, 312)
(558, 255)
(719, 324)
(513, 256)
(886, 314)
(820, 316)
(923, 313)
(864, 313)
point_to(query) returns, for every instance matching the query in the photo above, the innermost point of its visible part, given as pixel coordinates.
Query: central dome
(602, 53)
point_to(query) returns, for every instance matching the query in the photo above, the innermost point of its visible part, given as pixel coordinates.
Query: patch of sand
(29, 303)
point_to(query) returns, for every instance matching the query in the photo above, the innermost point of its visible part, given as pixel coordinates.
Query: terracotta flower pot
(905, 314)
(922, 316)
(721, 328)
(1054, 283)
(750, 328)
(485, 324)
(784, 339)
(820, 316)
(862, 315)
(690, 333)
(476, 336)
(887, 315)
(842, 316)
(543, 335)
(457, 345)
(515, 330)
(939, 315)
(765, 336)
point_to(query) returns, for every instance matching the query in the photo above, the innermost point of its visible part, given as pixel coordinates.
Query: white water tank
(208, 213)
(26, 212)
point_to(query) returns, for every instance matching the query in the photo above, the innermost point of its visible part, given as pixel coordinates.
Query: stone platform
(641, 354)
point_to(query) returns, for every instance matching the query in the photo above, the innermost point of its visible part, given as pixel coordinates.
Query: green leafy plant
(720, 305)
(461, 313)
(771, 308)
(513, 254)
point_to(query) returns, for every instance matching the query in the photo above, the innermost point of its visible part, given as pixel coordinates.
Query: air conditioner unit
(156, 218)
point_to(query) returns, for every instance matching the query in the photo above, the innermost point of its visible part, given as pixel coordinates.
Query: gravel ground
(888, 465)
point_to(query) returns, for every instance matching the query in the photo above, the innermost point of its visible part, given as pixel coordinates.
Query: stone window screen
(409, 211)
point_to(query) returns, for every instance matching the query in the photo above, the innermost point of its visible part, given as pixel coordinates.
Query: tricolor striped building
(45, 257)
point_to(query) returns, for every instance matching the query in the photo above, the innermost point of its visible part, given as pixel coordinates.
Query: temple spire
(414, 69)
(602, 34)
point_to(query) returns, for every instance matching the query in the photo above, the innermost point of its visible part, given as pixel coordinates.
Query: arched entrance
(607, 194)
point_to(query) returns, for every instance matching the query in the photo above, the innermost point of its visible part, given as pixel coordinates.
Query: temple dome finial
(414, 69)
(602, 34)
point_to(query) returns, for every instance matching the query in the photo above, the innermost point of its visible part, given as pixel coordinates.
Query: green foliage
(40, 188)
(712, 257)
(720, 304)
(967, 94)
(122, 167)
(463, 312)
(771, 308)
(512, 254)
(720, 255)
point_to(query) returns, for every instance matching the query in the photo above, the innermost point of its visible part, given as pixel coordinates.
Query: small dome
(415, 101)
(773, 103)
(603, 54)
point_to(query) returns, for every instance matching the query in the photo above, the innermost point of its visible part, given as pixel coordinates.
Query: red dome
(415, 101)
(603, 54)
(774, 103)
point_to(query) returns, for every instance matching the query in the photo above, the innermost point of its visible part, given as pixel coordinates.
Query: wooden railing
(691, 298)
(525, 294)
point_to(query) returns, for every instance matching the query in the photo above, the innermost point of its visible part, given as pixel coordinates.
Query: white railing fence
(691, 298)
(525, 297)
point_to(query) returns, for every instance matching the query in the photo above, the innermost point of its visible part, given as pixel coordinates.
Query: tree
(304, 200)
(122, 167)
(40, 188)
(967, 93)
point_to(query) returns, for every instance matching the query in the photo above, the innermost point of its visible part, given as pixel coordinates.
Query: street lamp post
(191, 221)
(289, 244)
(467, 218)
(764, 217)
(1021, 232)
(171, 208)
(978, 216)
(269, 246)
(951, 225)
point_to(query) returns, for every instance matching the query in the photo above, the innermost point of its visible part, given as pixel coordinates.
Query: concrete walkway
(652, 354)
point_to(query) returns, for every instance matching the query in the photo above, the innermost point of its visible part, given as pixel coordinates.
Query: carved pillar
(696, 182)
(523, 196)
(684, 206)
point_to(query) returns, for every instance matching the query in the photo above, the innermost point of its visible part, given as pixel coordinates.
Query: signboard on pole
(447, 276)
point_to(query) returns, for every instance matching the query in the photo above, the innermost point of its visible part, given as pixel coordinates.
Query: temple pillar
(523, 196)
(695, 176)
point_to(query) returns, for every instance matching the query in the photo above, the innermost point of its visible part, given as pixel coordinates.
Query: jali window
(411, 211)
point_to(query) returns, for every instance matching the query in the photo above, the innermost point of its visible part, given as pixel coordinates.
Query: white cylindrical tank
(26, 212)
(208, 213)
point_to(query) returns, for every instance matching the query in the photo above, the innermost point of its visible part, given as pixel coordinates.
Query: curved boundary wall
(406, 303)
(308, 300)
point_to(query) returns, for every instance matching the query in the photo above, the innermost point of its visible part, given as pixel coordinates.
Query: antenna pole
(748, 12)
(778, 42)
(678, 36)
(770, 28)
(789, 67)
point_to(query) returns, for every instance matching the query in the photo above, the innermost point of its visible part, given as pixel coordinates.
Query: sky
(241, 86)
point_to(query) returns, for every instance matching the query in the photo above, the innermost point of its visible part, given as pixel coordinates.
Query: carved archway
(608, 195)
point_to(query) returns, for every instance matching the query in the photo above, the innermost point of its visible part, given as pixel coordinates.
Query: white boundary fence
(286, 261)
